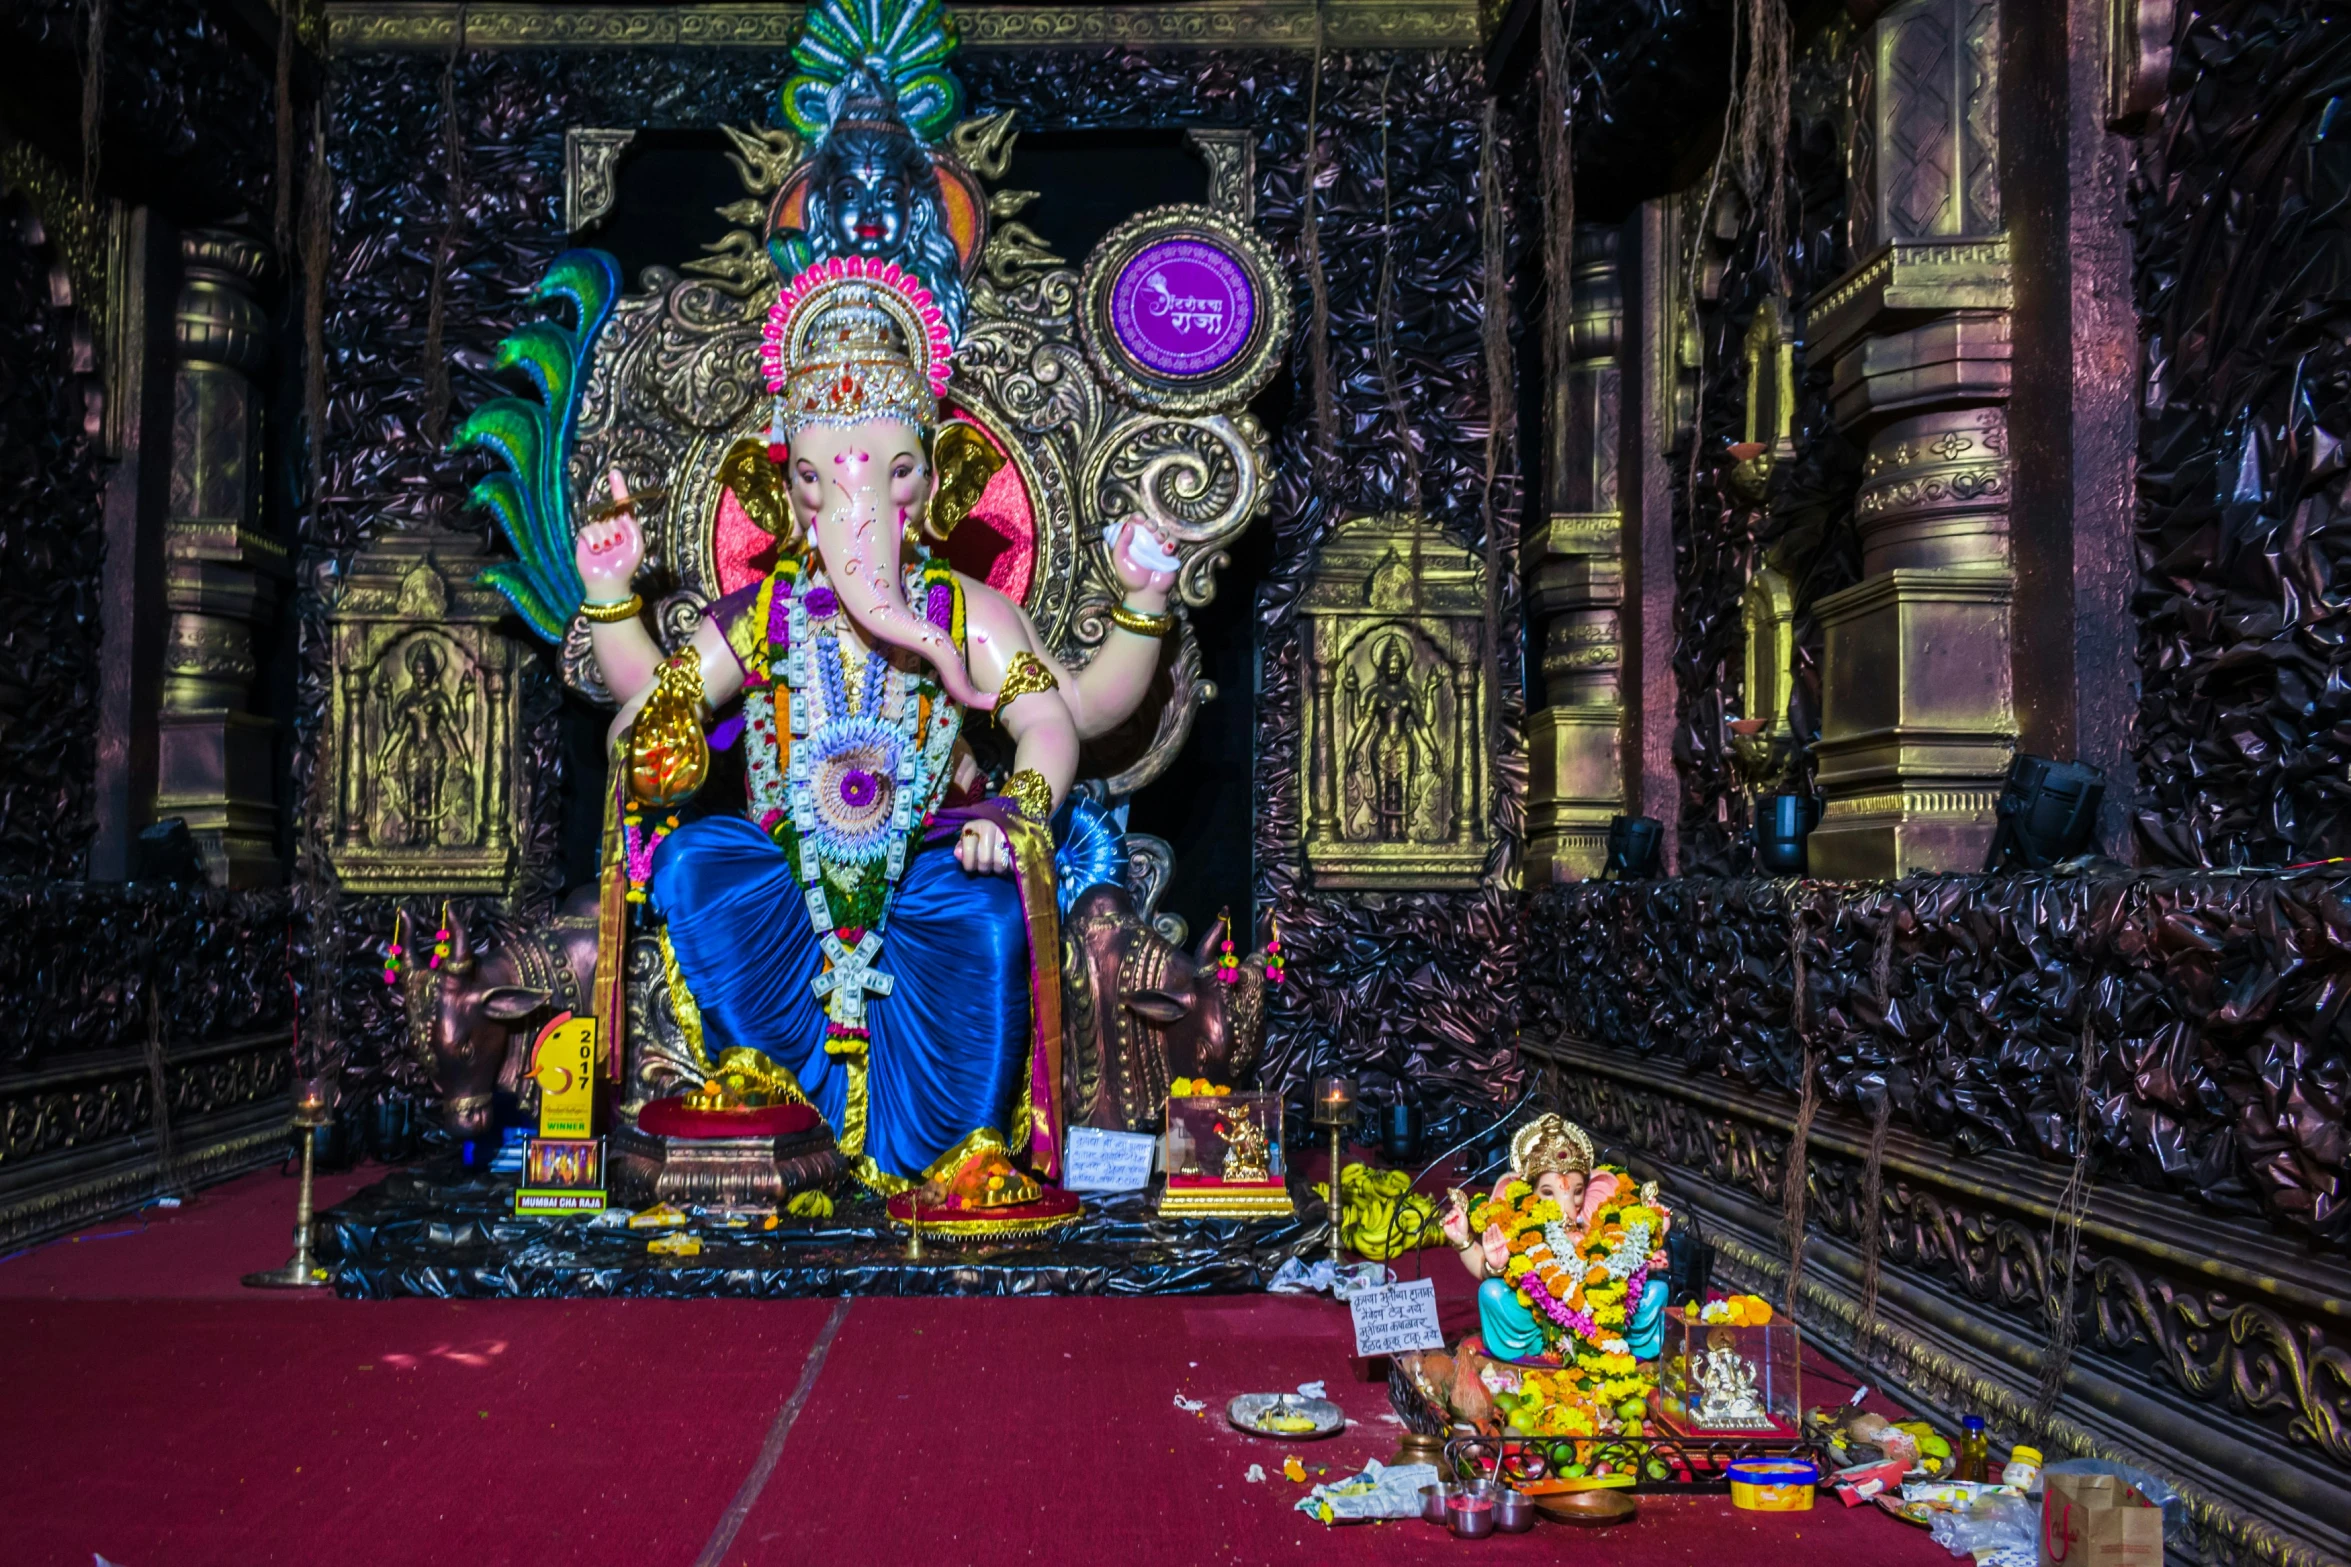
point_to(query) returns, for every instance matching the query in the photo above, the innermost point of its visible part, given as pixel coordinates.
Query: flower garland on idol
(871, 744)
(1582, 1288)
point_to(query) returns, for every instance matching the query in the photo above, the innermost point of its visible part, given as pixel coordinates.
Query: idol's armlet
(1044, 740)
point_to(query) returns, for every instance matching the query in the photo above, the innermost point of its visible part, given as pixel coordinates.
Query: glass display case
(1730, 1378)
(1223, 1154)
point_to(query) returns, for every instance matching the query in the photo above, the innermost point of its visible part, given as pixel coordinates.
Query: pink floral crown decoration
(851, 339)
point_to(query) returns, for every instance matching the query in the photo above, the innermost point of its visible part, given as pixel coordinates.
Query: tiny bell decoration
(1228, 967)
(1273, 954)
(393, 952)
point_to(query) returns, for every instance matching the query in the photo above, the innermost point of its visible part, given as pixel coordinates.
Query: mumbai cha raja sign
(1184, 309)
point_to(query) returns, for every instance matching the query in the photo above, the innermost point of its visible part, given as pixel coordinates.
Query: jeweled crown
(1551, 1145)
(851, 339)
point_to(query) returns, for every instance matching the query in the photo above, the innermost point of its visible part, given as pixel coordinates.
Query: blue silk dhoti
(949, 1046)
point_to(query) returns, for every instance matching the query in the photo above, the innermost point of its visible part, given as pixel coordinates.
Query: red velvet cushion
(673, 1118)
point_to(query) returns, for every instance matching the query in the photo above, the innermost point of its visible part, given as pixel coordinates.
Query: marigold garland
(1583, 1287)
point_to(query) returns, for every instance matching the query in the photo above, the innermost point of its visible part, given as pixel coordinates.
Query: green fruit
(1656, 1469)
(1573, 1471)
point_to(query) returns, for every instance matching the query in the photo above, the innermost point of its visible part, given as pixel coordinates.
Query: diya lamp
(314, 1107)
(1334, 1107)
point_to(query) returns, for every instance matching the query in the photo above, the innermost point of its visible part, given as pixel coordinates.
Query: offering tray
(1248, 1411)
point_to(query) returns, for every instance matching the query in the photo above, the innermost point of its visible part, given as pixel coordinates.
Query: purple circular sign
(1183, 307)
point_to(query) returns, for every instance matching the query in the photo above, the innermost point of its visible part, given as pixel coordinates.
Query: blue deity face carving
(868, 198)
(874, 192)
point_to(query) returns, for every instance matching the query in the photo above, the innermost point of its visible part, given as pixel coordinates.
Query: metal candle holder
(314, 1107)
(1334, 1107)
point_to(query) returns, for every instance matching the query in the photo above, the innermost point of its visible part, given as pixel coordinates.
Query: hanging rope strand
(1872, 1217)
(436, 367)
(282, 186)
(1501, 406)
(1762, 133)
(2064, 1247)
(1795, 1177)
(1384, 344)
(93, 99)
(1693, 264)
(1318, 334)
(318, 203)
(1557, 148)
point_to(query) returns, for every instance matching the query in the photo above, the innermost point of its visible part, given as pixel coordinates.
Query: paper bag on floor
(2093, 1520)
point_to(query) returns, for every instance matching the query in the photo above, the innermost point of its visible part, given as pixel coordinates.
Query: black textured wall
(2212, 1008)
(52, 549)
(187, 98)
(2243, 269)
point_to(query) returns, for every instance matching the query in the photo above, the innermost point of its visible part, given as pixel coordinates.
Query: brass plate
(1589, 1509)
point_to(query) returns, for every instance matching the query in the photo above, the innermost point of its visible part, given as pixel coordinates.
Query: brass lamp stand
(1334, 1107)
(314, 1107)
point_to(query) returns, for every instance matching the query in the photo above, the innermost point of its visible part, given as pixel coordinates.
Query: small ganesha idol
(1571, 1255)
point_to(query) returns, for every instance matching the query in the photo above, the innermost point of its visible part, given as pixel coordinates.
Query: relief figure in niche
(1392, 756)
(424, 762)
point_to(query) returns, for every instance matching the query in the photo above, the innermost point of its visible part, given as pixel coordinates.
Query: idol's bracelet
(1141, 621)
(614, 613)
(1029, 794)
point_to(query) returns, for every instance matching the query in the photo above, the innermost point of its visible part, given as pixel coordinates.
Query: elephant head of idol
(856, 353)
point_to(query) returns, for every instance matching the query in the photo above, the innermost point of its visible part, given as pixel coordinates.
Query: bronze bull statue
(1137, 1010)
(469, 1020)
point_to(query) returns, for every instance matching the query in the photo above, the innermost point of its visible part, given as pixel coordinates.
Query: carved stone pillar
(1917, 700)
(213, 754)
(1575, 740)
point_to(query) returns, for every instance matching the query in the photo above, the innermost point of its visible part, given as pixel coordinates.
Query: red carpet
(161, 1417)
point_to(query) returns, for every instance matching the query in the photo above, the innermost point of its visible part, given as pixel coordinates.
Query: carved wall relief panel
(424, 721)
(1396, 787)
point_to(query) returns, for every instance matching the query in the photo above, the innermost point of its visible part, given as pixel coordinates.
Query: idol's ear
(1158, 1006)
(962, 462)
(759, 487)
(513, 1003)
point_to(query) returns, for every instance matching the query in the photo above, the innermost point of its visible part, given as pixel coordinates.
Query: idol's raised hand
(608, 551)
(1143, 558)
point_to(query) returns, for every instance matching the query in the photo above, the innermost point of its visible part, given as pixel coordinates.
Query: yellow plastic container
(1773, 1485)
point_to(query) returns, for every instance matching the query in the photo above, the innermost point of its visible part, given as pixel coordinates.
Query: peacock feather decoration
(909, 43)
(531, 494)
(1092, 848)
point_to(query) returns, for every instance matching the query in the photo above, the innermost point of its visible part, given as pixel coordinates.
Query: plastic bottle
(1974, 1460)
(2023, 1469)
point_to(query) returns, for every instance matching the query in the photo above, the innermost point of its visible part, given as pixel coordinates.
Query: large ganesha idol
(878, 538)
(856, 659)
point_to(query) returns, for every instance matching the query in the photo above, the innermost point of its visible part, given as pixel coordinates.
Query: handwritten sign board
(1397, 1318)
(1100, 1161)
